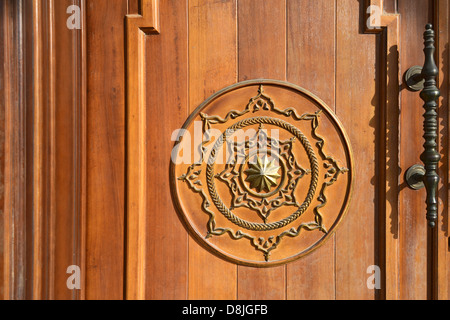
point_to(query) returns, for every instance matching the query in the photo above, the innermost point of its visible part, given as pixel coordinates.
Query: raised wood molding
(59, 150)
(43, 161)
(388, 180)
(12, 102)
(44, 149)
(138, 26)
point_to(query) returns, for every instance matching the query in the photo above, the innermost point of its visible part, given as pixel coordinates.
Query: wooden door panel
(212, 65)
(246, 49)
(413, 234)
(96, 141)
(356, 107)
(105, 154)
(204, 46)
(314, 63)
(262, 54)
(166, 91)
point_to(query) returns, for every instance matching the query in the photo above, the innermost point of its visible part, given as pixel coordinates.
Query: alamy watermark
(74, 20)
(374, 280)
(216, 147)
(374, 19)
(74, 280)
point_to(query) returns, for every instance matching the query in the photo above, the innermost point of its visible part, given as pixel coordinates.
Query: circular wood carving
(261, 173)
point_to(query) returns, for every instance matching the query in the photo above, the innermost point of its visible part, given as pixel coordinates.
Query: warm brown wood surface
(356, 100)
(209, 71)
(166, 83)
(314, 63)
(2, 165)
(136, 123)
(13, 217)
(87, 118)
(52, 195)
(69, 105)
(413, 233)
(259, 40)
(387, 150)
(105, 150)
(326, 67)
(441, 254)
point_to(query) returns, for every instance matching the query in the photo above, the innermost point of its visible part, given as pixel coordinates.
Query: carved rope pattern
(258, 226)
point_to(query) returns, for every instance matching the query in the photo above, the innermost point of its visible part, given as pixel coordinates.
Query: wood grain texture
(13, 215)
(262, 39)
(356, 102)
(42, 166)
(262, 54)
(212, 67)
(166, 98)
(69, 225)
(122, 118)
(390, 6)
(137, 27)
(2, 158)
(49, 145)
(441, 254)
(82, 156)
(389, 181)
(414, 282)
(56, 168)
(105, 150)
(311, 64)
(134, 6)
(388, 171)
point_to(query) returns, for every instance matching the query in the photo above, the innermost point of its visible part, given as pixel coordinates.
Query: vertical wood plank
(38, 164)
(441, 261)
(133, 6)
(262, 39)
(390, 6)
(68, 70)
(14, 213)
(138, 27)
(212, 66)
(166, 98)
(83, 152)
(356, 102)
(262, 54)
(105, 150)
(51, 152)
(3, 276)
(387, 146)
(413, 231)
(311, 64)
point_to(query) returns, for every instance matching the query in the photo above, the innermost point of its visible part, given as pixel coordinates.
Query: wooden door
(142, 68)
(179, 54)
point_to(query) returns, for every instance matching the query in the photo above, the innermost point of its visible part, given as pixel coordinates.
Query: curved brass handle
(424, 79)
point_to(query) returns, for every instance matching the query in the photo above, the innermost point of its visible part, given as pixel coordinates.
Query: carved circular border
(197, 236)
(312, 188)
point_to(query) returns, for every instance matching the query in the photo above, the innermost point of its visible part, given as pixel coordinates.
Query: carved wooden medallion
(261, 173)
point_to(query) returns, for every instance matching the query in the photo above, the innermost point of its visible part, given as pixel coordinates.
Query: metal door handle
(420, 176)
